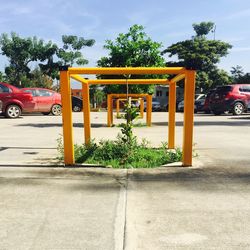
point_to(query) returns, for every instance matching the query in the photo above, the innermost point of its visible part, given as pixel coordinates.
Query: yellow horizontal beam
(124, 99)
(79, 78)
(178, 78)
(127, 70)
(129, 95)
(130, 81)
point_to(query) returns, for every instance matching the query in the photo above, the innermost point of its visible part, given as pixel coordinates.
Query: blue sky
(165, 21)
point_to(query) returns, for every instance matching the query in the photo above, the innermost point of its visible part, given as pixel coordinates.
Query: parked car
(156, 106)
(232, 98)
(199, 104)
(14, 101)
(1, 107)
(46, 101)
(197, 97)
(76, 104)
(206, 107)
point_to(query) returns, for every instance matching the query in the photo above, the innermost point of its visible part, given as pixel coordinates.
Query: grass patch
(120, 155)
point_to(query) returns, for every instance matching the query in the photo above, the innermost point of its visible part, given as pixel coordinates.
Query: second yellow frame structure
(110, 98)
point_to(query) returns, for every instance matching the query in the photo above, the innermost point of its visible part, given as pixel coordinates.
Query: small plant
(126, 130)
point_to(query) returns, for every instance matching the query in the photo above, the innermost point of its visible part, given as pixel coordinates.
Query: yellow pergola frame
(119, 97)
(181, 73)
(118, 100)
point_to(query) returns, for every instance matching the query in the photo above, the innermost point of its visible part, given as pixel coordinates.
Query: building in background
(161, 95)
(76, 92)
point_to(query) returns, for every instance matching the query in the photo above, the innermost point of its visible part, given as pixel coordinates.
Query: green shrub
(125, 151)
(119, 155)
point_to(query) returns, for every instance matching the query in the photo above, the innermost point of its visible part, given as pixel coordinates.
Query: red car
(13, 101)
(233, 98)
(46, 101)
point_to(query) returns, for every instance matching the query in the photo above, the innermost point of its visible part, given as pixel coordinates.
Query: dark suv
(233, 98)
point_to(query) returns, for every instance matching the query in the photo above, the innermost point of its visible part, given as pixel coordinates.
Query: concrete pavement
(203, 207)
(166, 208)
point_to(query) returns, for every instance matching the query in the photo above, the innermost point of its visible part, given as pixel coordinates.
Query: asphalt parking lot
(203, 207)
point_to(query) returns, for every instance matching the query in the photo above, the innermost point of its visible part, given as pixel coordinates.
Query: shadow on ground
(240, 122)
(213, 178)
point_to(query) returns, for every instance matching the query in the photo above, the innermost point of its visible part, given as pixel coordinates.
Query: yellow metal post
(171, 114)
(149, 110)
(142, 107)
(67, 117)
(188, 117)
(86, 111)
(117, 107)
(109, 110)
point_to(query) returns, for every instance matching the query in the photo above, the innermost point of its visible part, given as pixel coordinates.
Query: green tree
(21, 53)
(201, 54)
(244, 79)
(238, 75)
(203, 28)
(237, 72)
(97, 96)
(39, 79)
(132, 49)
(70, 53)
(2, 77)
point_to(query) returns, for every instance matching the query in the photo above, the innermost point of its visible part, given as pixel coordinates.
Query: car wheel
(13, 111)
(76, 109)
(56, 109)
(238, 108)
(45, 113)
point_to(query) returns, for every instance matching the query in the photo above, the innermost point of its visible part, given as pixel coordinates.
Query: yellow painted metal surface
(86, 112)
(129, 81)
(118, 107)
(119, 97)
(149, 110)
(171, 115)
(178, 78)
(109, 111)
(188, 118)
(78, 78)
(127, 70)
(118, 100)
(67, 119)
(129, 95)
(142, 108)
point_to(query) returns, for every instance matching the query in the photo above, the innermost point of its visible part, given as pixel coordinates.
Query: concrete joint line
(120, 219)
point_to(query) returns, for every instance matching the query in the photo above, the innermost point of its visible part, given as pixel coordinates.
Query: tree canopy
(132, 49)
(26, 53)
(203, 28)
(239, 76)
(201, 54)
